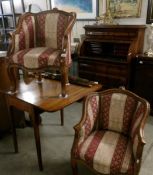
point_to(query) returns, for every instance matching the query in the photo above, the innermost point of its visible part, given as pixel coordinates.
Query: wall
(79, 30)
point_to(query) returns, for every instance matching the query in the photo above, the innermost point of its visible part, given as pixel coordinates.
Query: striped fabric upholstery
(27, 35)
(91, 113)
(107, 152)
(45, 31)
(38, 57)
(51, 28)
(116, 112)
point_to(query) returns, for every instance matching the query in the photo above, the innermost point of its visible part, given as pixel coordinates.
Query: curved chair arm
(88, 120)
(66, 41)
(137, 129)
(17, 36)
(68, 31)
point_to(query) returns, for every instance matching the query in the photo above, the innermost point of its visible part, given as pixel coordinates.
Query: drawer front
(110, 75)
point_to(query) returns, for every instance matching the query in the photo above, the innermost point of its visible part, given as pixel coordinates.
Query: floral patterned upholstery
(108, 136)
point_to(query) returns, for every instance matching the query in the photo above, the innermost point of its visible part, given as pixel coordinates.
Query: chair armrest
(24, 36)
(137, 129)
(88, 120)
(67, 34)
(137, 145)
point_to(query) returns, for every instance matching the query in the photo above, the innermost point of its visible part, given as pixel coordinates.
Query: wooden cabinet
(107, 51)
(143, 78)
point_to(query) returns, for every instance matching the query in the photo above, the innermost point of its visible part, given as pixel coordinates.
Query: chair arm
(24, 36)
(137, 129)
(67, 34)
(88, 120)
(138, 143)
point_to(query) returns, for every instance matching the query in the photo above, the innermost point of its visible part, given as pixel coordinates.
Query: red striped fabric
(116, 162)
(61, 25)
(105, 106)
(41, 29)
(44, 57)
(129, 110)
(22, 44)
(89, 155)
(27, 35)
(119, 154)
(21, 55)
(31, 31)
(94, 107)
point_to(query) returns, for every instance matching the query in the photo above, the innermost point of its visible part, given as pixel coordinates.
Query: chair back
(117, 110)
(51, 28)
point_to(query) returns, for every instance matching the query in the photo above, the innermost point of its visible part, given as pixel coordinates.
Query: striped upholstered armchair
(109, 139)
(42, 40)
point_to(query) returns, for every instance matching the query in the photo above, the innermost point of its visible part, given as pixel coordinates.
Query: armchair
(41, 41)
(109, 139)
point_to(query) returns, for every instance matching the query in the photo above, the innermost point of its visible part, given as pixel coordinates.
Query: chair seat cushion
(38, 57)
(107, 152)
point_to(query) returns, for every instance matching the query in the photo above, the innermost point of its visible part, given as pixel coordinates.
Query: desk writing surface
(46, 95)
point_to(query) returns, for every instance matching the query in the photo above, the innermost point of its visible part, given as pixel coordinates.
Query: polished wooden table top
(35, 98)
(46, 95)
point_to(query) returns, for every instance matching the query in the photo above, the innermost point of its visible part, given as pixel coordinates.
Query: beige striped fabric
(92, 111)
(116, 112)
(38, 57)
(27, 36)
(107, 152)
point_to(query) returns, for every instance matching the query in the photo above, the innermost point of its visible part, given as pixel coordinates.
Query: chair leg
(67, 76)
(62, 117)
(64, 75)
(74, 167)
(13, 78)
(11, 114)
(39, 78)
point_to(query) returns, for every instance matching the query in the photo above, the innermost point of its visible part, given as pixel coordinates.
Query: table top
(46, 95)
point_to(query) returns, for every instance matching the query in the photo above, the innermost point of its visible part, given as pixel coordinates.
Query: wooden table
(4, 87)
(36, 98)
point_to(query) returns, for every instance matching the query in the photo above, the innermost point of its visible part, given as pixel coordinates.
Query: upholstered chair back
(115, 111)
(51, 28)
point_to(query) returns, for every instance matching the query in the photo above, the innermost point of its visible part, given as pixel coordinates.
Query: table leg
(11, 114)
(35, 122)
(62, 116)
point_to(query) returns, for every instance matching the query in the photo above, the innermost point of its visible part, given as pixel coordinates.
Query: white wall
(78, 27)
